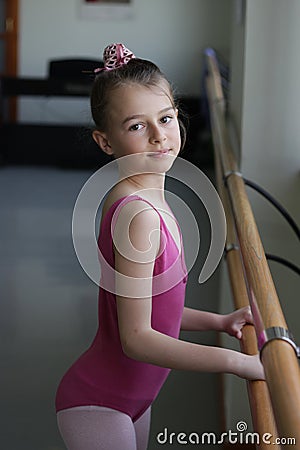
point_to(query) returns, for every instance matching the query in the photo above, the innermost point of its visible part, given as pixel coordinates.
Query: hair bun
(115, 56)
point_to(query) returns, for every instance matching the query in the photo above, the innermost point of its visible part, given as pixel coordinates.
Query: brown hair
(136, 71)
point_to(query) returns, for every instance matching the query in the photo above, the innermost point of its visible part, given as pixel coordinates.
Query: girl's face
(142, 120)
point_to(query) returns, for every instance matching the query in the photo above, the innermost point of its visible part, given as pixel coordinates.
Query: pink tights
(99, 428)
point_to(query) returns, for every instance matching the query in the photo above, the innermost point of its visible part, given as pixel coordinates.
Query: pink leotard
(104, 375)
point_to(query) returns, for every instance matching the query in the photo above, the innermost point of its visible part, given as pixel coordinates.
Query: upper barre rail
(258, 394)
(278, 355)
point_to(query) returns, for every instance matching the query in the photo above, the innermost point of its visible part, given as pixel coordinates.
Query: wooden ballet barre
(274, 341)
(258, 394)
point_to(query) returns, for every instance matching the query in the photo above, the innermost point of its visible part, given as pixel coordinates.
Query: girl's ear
(101, 139)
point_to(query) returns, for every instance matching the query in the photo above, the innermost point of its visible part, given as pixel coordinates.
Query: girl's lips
(159, 153)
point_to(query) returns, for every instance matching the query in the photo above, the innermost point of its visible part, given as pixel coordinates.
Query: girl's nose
(156, 135)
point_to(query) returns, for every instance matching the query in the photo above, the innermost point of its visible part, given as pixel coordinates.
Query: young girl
(104, 400)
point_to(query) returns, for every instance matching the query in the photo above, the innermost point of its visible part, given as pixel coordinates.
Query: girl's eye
(135, 127)
(166, 119)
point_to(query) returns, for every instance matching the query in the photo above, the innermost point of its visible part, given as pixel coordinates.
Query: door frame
(9, 37)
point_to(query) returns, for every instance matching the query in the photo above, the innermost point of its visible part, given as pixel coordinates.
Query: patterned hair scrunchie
(115, 56)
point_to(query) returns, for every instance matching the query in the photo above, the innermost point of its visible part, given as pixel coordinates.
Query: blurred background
(48, 304)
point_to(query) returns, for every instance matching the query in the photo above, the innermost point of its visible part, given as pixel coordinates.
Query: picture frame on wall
(106, 9)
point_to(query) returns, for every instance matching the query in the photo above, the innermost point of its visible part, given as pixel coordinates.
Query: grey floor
(49, 316)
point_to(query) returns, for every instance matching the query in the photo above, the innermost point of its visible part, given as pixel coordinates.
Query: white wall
(172, 33)
(266, 115)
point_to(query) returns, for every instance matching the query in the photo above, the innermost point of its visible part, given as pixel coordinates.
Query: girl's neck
(150, 186)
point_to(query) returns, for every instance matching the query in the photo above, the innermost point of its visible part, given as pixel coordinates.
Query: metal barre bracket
(229, 173)
(229, 247)
(277, 333)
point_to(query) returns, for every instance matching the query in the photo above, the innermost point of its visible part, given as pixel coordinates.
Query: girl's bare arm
(139, 340)
(196, 320)
(232, 323)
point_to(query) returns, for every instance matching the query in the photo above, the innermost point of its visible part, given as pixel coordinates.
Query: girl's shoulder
(116, 193)
(148, 215)
(121, 194)
(131, 222)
